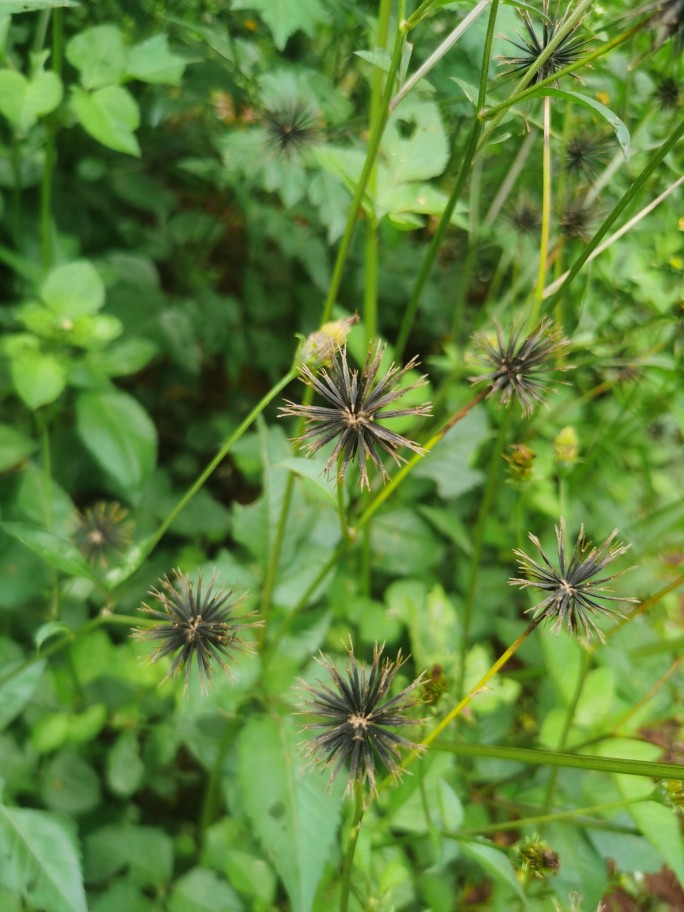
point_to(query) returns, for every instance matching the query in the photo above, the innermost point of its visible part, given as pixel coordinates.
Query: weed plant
(217, 578)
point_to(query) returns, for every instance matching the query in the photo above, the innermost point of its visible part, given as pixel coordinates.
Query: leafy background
(159, 258)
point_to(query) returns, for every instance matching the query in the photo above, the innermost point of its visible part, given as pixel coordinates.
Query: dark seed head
(196, 625)
(102, 532)
(356, 715)
(573, 596)
(290, 127)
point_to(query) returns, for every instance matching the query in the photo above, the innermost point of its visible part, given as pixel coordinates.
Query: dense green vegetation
(234, 238)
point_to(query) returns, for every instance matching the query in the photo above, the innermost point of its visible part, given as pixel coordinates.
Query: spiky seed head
(358, 405)
(521, 367)
(666, 93)
(290, 127)
(196, 625)
(535, 42)
(355, 717)
(537, 858)
(525, 216)
(102, 532)
(573, 596)
(576, 221)
(584, 153)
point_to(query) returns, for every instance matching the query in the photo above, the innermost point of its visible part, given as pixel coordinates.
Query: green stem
(570, 761)
(44, 432)
(154, 540)
(46, 231)
(348, 864)
(360, 192)
(341, 508)
(478, 539)
(59, 644)
(370, 286)
(621, 205)
(546, 214)
(458, 320)
(467, 160)
(567, 725)
(576, 816)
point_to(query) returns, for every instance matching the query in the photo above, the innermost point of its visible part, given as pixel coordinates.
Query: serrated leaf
(152, 61)
(449, 464)
(99, 54)
(58, 552)
(39, 855)
(285, 17)
(119, 434)
(73, 289)
(38, 378)
(414, 143)
(621, 131)
(109, 115)
(292, 813)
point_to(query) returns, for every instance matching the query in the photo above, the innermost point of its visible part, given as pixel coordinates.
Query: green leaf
(70, 784)
(23, 101)
(40, 856)
(17, 690)
(414, 143)
(51, 629)
(285, 17)
(152, 61)
(496, 863)
(621, 131)
(292, 813)
(201, 890)
(38, 378)
(449, 464)
(377, 58)
(14, 447)
(27, 6)
(109, 115)
(56, 551)
(73, 289)
(99, 54)
(312, 471)
(125, 769)
(661, 827)
(120, 435)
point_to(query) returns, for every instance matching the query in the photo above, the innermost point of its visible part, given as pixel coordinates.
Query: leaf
(73, 289)
(27, 6)
(201, 890)
(23, 101)
(496, 863)
(109, 115)
(312, 470)
(40, 857)
(377, 58)
(448, 465)
(414, 143)
(70, 785)
(119, 434)
(621, 131)
(16, 691)
(56, 551)
(152, 61)
(38, 378)
(285, 17)
(99, 54)
(50, 629)
(125, 769)
(292, 813)
(14, 447)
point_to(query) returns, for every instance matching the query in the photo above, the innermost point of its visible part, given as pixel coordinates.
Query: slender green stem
(62, 642)
(275, 551)
(649, 603)
(546, 214)
(618, 209)
(478, 539)
(576, 817)
(201, 479)
(341, 507)
(567, 725)
(458, 319)
(46, 456)
(466, 162)
(46, 230)
(348, 864)
(370, 285)
(360, 192)
(571, 761)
